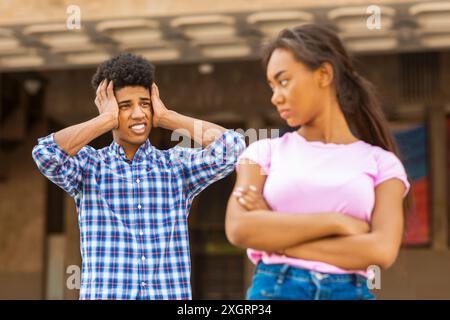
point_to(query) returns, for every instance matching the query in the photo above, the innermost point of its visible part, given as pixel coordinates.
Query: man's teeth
(138, 127)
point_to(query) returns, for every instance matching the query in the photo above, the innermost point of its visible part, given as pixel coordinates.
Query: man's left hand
(159, 109)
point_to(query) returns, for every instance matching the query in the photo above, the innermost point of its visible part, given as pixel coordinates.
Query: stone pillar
(437, 123)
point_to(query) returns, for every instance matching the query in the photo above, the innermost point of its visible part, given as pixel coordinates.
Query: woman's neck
(330, 126)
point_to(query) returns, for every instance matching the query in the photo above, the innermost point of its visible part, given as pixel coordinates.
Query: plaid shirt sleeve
(62, 169)
(203, 167)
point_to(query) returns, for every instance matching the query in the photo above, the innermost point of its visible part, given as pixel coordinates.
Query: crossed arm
(379, 247)
(260, 228)
(317, 237)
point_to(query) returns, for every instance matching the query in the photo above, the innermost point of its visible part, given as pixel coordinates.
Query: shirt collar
(144, 151)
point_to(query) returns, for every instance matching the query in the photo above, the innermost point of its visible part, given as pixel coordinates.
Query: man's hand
(250, 198)
(202, 132)
(106, 101)
(159, 109)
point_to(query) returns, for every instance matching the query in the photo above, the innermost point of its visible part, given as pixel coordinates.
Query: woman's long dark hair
(313, 45)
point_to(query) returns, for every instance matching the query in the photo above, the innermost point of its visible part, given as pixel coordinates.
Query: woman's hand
(159, 109)
(348, 225)
(250, 198)
(351, 226)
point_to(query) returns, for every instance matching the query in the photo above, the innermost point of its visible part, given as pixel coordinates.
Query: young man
(132, 199)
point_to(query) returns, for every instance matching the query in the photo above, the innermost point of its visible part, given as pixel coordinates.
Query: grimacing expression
(296, 91)
(135, 115)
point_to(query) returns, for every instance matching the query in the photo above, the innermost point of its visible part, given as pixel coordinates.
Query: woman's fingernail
(242, 200)
(237, 194)
(253, 188)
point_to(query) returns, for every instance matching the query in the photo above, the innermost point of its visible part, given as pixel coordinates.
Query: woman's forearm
(270, 231)
(347, 252)
(263, 229)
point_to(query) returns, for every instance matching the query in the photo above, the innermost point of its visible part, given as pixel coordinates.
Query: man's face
(135, 115)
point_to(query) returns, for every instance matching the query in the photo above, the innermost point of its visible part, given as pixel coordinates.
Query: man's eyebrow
(128, 101)
(277, 75)
(124, 101)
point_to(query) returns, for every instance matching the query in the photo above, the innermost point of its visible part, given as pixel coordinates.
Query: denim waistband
(307, 275)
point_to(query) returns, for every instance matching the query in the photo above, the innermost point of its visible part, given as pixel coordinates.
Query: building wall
(48, 10)
(22, 221)
(417, 274)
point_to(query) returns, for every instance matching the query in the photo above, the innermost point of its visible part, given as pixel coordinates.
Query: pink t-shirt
(308, 177)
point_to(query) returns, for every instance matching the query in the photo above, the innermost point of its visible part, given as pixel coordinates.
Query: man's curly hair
(125, 70)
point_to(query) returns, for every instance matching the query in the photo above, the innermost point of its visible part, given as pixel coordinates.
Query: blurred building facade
(207, 59)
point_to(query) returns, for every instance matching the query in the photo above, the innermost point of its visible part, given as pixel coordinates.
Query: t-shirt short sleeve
(390, 167)
(258, 152)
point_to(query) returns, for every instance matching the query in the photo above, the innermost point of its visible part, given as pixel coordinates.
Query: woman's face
(296, 90)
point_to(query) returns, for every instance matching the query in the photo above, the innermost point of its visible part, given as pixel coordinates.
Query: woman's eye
(124, 106)
(145, 104)
(283, 83)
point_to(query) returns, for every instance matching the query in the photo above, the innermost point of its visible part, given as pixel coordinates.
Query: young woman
(318, 206)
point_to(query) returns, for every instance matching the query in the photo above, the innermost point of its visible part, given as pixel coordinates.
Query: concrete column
(437, 124)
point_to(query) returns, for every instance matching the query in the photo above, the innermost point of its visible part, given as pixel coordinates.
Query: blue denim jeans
(284, 282)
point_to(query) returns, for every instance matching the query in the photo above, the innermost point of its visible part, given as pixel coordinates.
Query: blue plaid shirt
(133, 214)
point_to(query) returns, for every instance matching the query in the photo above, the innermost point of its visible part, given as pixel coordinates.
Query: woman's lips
(138, 128)
(284, 114)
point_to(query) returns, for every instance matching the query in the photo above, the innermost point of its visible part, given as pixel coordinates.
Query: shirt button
(141, 233)
(139, 206)
(138, 181)
(143, 258)
(143, 284)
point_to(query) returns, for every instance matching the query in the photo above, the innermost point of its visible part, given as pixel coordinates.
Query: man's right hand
(106, 101)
